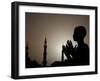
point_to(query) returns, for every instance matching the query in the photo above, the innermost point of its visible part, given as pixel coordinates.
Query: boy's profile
(78, 55)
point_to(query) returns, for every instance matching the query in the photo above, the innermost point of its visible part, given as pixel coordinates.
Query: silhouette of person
(78, 55)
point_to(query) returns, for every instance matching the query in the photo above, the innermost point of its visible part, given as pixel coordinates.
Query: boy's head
(79, 33)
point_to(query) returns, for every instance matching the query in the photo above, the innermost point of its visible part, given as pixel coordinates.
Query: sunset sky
(58, 28)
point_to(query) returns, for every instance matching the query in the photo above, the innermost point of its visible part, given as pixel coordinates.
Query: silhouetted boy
(78, 55)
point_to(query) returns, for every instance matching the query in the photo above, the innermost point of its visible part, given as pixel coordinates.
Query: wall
(5, 40)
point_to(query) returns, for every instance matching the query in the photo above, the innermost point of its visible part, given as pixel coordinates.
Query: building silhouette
(28, 62)
(27, 59)
(45, 53)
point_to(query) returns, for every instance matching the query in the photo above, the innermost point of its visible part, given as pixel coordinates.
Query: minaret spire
(45, 52)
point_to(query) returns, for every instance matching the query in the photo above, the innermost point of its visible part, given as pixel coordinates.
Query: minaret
(26, 49)
(45, 53)
(62, 57)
